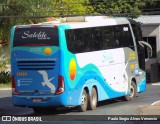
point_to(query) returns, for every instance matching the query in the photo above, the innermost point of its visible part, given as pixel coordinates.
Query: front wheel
(133, 90)
(83, 106)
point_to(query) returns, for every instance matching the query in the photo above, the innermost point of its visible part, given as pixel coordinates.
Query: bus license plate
(37, 100)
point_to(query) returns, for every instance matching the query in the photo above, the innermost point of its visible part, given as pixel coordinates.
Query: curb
(2, 89)
(156, 84)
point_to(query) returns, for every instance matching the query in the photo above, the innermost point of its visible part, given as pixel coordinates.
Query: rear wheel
(92, 104)
(133, 90)
(83, 106)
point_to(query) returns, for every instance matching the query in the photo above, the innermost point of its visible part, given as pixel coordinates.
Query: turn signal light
(14, 90)
(60, 88)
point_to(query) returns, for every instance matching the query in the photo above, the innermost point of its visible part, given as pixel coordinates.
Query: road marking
(155, 84)
(155, 102)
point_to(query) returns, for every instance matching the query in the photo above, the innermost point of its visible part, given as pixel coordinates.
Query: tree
(72, 7)
(16, 9)
(129, 8)
(19, 12)
(152, 8)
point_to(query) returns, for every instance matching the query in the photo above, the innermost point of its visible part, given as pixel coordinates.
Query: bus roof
(85, 21)
(89, 21)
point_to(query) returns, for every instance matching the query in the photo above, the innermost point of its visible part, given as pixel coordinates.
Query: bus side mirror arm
(143, 43)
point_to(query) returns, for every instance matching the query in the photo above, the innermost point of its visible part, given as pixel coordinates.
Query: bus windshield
(36, 36)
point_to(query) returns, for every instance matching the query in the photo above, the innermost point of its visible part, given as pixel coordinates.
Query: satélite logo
(37, 35)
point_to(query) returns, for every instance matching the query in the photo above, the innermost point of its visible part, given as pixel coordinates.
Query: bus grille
(36, 65)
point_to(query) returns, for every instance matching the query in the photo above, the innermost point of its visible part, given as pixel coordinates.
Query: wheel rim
(84, 99)
(131, 91)
(94, 99)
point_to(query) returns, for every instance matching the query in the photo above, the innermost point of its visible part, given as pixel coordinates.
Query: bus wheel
(92, 104)
(83, 106)
(133, 91)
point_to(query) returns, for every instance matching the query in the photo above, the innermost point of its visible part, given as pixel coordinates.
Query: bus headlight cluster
(21, 73)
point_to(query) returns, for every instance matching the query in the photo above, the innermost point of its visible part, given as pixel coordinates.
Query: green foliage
(19, 8)
(4, 62)
(19, 12)
(33, 9)
(72, 7)
(5, 75)
(6, 85)
(127, 8)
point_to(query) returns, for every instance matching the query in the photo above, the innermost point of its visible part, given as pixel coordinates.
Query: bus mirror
(149, 47)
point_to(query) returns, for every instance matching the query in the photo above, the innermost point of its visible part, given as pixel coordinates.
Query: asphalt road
(140, 106)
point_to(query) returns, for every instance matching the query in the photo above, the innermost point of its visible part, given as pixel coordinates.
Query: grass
(6, 85)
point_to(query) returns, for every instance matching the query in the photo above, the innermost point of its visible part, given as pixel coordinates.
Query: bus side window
(87, 40)
(82, 38)
(137, 33)
(97, 41)
(117, 36)
(127, 40)
(141, 51)
(108, 38)
(78, 40)
(70, 40)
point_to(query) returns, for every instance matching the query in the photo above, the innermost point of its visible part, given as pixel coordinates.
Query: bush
(5, 75)
(4, 61)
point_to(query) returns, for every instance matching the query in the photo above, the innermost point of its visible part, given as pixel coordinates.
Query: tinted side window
(117, 36)
(70, 40)
(127, 40)
(141, 51)
(137, 32)
(78, 40)
(108, 38)
(99, 38)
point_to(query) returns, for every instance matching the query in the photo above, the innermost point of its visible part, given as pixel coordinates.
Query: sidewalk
(5, 89)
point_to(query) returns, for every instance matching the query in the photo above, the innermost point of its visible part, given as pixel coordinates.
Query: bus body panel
(110, 71)
(111, 80)
(35, 74)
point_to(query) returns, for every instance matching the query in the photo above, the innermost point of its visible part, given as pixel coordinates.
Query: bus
(76, 62)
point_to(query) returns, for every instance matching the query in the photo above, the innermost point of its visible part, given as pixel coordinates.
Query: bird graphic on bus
(47, 81)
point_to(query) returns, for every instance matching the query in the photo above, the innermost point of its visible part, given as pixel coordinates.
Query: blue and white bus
(77, 61)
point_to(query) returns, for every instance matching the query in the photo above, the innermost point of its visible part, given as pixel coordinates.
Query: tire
(84, 104)
(92, 103)
(133, 90)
